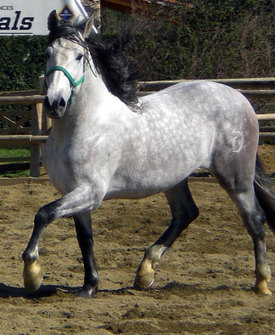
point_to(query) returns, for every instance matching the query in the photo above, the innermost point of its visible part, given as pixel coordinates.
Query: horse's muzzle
(56, 109)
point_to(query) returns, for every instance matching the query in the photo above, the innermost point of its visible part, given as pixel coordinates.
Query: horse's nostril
(62, 102)
(55, 104)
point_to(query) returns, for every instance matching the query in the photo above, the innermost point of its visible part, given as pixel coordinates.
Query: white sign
(29, 17)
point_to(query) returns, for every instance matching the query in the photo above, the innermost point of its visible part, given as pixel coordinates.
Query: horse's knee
(44, 216)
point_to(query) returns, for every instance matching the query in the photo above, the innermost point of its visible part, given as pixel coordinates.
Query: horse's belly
(139, 189)
(140, 179)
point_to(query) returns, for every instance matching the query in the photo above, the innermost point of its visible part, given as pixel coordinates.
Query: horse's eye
(79, 57)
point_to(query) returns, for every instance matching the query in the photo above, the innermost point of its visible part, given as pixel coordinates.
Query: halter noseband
(68, 75)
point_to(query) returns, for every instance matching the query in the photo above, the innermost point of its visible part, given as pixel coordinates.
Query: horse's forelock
(64, 30)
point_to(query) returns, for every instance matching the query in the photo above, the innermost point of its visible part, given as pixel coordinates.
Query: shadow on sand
(50, 290)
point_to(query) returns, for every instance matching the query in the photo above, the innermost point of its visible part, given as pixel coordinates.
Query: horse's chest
(60, 165)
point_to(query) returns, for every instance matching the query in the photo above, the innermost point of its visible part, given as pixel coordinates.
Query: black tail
(265, 194)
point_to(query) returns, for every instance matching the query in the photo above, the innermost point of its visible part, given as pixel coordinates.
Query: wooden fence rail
(35, 135)
(245, 84)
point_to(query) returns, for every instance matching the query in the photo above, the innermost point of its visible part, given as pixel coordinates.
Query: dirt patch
(203, 284)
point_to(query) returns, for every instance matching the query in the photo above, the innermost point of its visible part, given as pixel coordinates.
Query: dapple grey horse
(103, 146)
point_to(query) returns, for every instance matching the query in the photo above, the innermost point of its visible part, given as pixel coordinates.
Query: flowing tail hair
(265, 194)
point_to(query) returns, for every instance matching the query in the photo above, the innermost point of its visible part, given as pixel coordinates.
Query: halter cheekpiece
(74, 83)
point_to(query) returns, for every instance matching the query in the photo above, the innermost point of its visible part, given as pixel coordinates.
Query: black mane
(109, 60)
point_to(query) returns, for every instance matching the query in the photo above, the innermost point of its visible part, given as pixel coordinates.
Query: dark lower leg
(253, 217)
(146, 271)
(32, 271)
(85, 240)
(184, 211)
(262, 270)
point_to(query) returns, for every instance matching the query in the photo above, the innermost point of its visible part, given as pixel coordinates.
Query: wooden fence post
(35, 148)
(40, 126)
(46, 121)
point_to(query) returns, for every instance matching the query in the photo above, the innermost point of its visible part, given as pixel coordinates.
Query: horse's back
(205, 97)
(216, 115)
(203, 105)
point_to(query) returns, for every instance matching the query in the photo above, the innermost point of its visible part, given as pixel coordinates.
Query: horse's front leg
(77, 201)
(32, 273)
(85, 241)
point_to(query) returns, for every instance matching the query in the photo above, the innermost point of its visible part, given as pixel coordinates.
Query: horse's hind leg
(238, 181)
(253, 217)
(85, 241)
(184, 211)
(254, 220)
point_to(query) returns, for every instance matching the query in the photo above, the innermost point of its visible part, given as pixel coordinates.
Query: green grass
(16, 174)
(13, 153)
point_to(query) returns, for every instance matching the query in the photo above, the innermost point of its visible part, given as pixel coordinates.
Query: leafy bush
(203, 39)
(21, 62)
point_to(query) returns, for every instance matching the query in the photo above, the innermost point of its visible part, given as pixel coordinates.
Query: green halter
(68, 75)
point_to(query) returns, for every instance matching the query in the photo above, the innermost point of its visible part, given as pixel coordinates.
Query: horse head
(66, 60)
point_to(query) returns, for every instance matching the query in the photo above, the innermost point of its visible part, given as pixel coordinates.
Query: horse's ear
(89, 27)
(52, 21)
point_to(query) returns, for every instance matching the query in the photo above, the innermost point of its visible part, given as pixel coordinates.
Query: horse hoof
(32, 275)
(145, 281)
(261, 288)
(265, 291)
(145, 276)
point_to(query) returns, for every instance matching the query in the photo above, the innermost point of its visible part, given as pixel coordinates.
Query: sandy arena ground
(203, 284)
